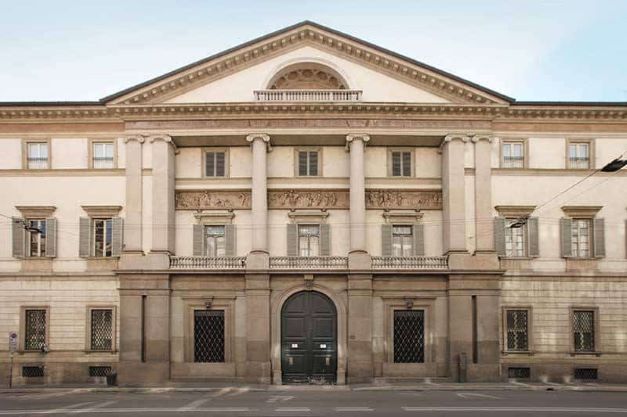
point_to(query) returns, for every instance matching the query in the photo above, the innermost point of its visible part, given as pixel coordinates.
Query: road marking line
(293, 409)
(238, 391)
(280, 398)
(94, 407)
(128, 410)
(519, 409)
(195, 404)
(222, 391)
(69, 407)
(355, 409)
(470, 395)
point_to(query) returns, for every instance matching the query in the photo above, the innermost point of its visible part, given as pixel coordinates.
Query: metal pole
(10, 370)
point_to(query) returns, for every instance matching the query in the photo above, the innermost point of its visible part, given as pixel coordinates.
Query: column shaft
(133, 206)
(259, 145)
(162, 194)
(483, 194)
(454, 193)
(356, 145)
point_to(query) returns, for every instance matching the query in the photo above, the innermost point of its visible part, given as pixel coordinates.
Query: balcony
(308, 262)
(307, 95)
(409, 262)
(206, 262)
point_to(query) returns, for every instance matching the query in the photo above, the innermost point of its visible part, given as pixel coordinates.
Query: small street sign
(12, 342)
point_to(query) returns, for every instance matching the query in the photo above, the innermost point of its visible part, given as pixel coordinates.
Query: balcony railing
(206, 262)
(308, 95)
(308, 262)
(409, 262)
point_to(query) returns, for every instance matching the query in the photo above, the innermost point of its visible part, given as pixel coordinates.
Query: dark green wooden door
(309, 339)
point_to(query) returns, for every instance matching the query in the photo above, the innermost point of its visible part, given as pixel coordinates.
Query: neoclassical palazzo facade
(311, 208)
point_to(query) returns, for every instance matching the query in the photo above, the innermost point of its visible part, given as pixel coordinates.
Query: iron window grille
(519, 373)
(583, 330)
(308, 163)
(215, 164)
(586, 374)
(37, 239)
(513, 155)
(35, 329)
(99, 371)
(37, 155)
(32, 371)
(402, 241)
(401, 164)
(103, 155)
(517, 330)
(215, 241)
(409, 336)
(101, 329)
(309, 239)
(208, 335)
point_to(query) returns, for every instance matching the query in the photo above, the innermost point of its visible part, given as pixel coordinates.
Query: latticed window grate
(32, 371)
(517, 330)
(99, 371)
(409, 336)
(209, 336)
(35, 329)
(519, 373)
(586, 373)
(583, 331)
(101, 329)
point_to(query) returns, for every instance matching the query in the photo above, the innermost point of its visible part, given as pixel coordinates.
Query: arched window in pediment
(307, 76)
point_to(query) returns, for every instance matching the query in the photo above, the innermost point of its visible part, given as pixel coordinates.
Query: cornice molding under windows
(515, 211)
(581, 211)
(102, 211)
(35, 212)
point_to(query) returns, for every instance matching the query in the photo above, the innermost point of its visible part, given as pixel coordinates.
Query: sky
(565, 50)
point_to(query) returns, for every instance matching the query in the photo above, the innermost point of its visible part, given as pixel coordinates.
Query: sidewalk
(424, 386)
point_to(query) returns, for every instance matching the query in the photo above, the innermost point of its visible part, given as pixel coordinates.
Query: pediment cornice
(345, 46)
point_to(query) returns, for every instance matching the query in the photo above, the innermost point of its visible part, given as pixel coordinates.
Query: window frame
(22, 338)
(504, 328)
(297, 152)
(88, 327)
(411, 302)
(508, 141)
(94, 241)
(28, 237)
(525, 237)
(412, 238)
(425, 335)
(206, 239)
(203, 168)
(390, 162)
(590, 221)
(298, 235)
(597, 330)
(225, 303)
(92, 153)
(590, 143)
(25, 153)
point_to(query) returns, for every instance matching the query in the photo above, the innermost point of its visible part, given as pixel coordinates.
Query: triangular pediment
(377, 74)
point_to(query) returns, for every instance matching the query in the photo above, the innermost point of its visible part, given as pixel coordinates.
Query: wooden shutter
(199, 240)
(229, 240)
(599, 238)
(302, 164)
(499, 235)
(210, 164)
(292, 239)
(533, 235)
(325, 240)
(565, 237)
(85, 237)
(220, 164)
(17, 232)
(117, 236)
(313, 163)
(386, 240)
(419, 239)
(51, 238)
(406, 164)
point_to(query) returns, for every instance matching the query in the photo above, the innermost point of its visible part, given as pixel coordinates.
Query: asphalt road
(247, 402)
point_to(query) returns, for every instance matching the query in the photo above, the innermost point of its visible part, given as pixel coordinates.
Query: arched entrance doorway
(309, 339)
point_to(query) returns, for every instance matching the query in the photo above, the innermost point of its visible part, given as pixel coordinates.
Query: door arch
(309, 339)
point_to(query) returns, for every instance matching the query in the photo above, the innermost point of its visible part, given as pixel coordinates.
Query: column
(483, 194)
(258, 257)
(163, 149)
(356, 145)
(133, 206)
(454, 194)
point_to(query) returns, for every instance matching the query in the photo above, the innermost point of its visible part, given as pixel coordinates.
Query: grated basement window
(32, 371)
(517, 330)
(96, 371)
(519, 373)
(101, 329)
(583, 331)
(409, 336)
(586, 373)
(35, 327)
(209, 336)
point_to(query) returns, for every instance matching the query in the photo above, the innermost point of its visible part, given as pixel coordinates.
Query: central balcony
(409, 262)
(308, 95)
(308, 262)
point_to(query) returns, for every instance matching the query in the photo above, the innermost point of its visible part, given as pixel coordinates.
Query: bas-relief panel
(308, 199)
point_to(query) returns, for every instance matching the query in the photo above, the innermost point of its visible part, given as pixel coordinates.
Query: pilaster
(356, 144)
(163, 227)
(454, 196)
(133, 254)
(258, 365)
(260, 145)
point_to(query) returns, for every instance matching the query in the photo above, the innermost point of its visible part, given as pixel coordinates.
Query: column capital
(478, 138)
(262, 136)
(455, 136)
(356, 136)
(131, 138)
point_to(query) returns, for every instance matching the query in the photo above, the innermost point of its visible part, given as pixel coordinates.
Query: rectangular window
(402, 241)
(581, 233)
(579, 155)
(34, 329)
(208, 335)
(517, 329)
(102, 155)
(583, 330)
(101, 329)
(409, 336)
(513, 155)
(308, 163)
(37, 157)
(103, 234)
(309, 239)
(215, 241)
(215, 164)
(515, 239)
(36, 233)
(401, 163)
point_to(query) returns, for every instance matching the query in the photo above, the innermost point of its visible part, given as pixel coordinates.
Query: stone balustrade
(308, 95)
(409, 262)
(206, 262)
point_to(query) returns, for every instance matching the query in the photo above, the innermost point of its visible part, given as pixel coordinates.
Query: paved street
(250, 402)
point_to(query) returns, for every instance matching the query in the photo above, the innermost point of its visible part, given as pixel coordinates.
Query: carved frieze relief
(213, 200)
